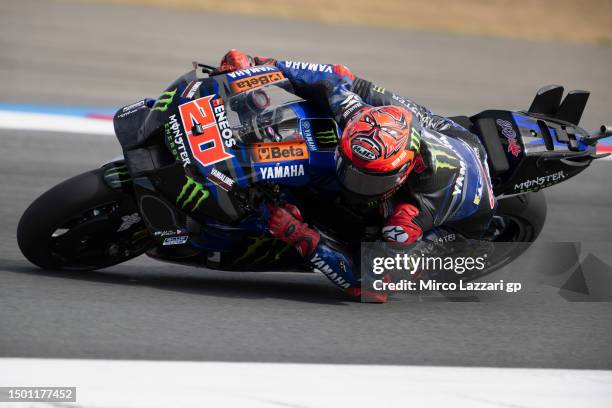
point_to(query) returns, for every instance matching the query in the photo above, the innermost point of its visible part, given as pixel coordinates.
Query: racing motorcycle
(256, 140)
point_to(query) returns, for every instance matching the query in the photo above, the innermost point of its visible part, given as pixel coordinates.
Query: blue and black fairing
(537, 148)
(270, 113)
(231, 237)
(267, 114)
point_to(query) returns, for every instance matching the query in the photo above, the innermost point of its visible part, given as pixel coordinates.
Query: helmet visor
(360, 182)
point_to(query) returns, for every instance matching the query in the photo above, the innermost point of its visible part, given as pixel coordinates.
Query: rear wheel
(521, 217)
(82, 224)
(517, 223)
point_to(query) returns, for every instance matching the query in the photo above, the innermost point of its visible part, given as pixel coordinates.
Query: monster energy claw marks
(164, 100)
(415, 139)
(192, 193)
(443, 159)
(117, 175)
(326, 138)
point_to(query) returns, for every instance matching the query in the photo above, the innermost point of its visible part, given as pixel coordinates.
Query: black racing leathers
(451, 181)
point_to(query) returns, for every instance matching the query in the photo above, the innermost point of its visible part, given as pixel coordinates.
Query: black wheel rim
(99, 237)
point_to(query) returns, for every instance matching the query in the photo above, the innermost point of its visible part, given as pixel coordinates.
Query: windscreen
(264, 114)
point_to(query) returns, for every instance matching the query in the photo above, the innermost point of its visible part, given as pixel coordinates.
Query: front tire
(82, 224)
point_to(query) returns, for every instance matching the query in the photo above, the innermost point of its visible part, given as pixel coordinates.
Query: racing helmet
(377, 150)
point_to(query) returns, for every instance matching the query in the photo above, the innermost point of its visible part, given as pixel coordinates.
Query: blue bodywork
(316, 170)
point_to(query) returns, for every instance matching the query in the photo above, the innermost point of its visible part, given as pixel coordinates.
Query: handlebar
(605, 130)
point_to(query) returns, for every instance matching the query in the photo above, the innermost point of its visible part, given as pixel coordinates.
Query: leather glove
(284, 225)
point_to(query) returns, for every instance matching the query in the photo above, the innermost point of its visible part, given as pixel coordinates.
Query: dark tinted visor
(359, 182)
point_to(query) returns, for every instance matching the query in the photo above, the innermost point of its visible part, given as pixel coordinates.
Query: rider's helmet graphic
(377, 150)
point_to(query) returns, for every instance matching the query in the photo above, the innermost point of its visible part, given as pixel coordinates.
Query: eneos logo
(279, 152)
(211, 145)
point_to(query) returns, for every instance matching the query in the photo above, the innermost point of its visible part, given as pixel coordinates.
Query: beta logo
(279, 152)
(211, 145)
(256, 81)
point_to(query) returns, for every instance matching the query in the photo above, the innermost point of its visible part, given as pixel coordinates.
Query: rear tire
(523, 218)
(75, 225)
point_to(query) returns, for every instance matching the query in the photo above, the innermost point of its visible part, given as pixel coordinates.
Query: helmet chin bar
(367, 184)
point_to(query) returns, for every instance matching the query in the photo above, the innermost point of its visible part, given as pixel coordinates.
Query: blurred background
(567, 20)
(454, 56)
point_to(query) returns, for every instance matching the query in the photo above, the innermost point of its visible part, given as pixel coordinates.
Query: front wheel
(82, 224)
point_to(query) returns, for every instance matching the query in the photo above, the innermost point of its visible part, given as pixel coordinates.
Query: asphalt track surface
(110, 56)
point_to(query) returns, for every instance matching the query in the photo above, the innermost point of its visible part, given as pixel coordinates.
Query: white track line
(55, 123)
(124, 383)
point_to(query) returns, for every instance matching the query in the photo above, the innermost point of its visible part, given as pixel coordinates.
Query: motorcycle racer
(388, 142)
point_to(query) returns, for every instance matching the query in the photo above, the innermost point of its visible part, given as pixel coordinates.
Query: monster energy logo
(115, 176)
(197, 192)
(326, 137)
(415, 139)
(438, 156)
(165, 99)
(262, 249)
